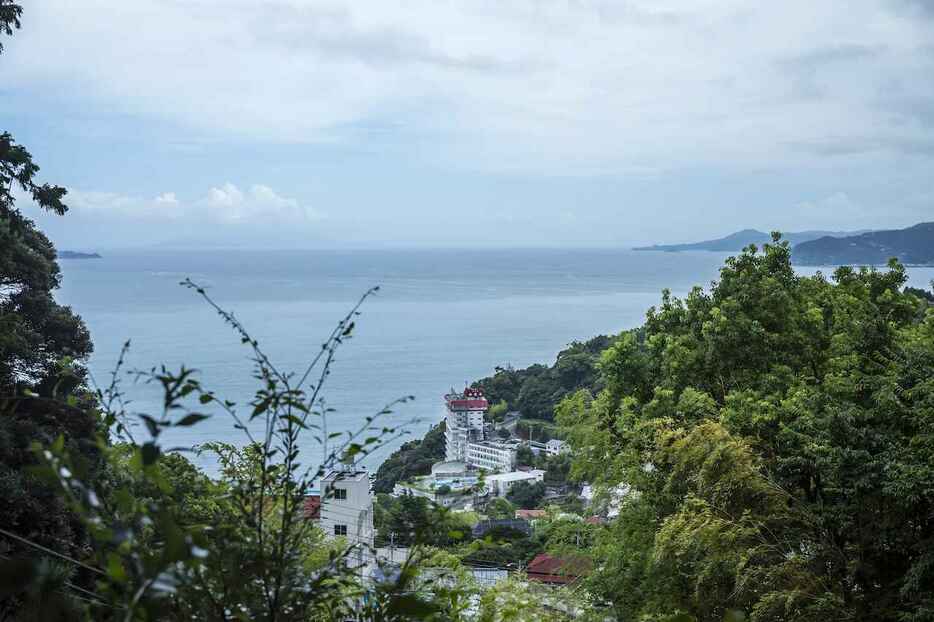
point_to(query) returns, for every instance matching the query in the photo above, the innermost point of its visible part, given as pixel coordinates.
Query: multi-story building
(347, 505)
(465, 434)
(500, 484)
(463, 422)
(555, 447)
(493, 455)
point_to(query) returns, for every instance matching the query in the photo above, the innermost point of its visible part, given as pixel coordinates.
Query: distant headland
(911, 246)
(736, 242)
(77, 255)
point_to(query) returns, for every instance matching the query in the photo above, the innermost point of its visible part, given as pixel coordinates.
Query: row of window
(336, 494)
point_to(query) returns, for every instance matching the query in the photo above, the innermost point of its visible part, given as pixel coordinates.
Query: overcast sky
(503, 122)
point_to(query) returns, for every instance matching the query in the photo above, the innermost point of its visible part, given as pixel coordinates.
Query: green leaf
(191, 419)
(115, 569)
(150, 453)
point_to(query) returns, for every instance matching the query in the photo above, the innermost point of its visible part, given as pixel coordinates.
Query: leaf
(191, 419)
(150, 453)
(115, 568)
(151, 424)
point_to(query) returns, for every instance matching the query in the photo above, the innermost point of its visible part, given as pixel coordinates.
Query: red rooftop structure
(557, 570)
(312, 509)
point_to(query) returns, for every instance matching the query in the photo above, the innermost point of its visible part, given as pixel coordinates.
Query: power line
(51, 552)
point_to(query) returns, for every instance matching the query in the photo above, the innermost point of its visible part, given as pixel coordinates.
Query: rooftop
(516, 476)
(559, 570)
(352, 475)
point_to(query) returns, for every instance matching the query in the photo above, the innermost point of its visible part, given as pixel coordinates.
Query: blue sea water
(440, 319)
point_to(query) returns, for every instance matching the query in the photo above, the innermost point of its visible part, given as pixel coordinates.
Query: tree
(526, 495)
(43, 346)
(500, 508)
(413, 458)
(524, 455)
(775, 437)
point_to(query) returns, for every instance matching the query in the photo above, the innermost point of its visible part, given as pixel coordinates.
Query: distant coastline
(77, 255)
(736, 242)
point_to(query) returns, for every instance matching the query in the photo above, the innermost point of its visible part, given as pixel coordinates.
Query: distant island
(912, 246)
(736, 242)
(77, 255)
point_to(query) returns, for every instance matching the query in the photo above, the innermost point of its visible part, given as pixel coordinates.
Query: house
(312, 507)
(555, 447)
(499, 484)
(531, 514)
(557, 570)
(346, 505)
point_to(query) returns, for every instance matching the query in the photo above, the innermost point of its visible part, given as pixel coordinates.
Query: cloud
(549, 86)
(225, 204)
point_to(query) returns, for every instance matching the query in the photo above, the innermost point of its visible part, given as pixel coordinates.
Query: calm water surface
(441, 318)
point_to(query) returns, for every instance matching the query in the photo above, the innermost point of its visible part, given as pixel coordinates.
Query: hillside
(533, 392)
(914, 245)
(736, 242)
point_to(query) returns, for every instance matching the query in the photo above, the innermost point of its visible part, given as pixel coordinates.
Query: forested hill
(533, 392)
(736, 242)
(914, 245)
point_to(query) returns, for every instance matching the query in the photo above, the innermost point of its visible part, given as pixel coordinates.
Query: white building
(500, 484)
(347, 506)
(463, 422)
(496, 456)
(555, 447)
(465, 434)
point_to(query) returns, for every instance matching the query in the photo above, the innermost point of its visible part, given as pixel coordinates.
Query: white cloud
(591, 85)
(225, 204)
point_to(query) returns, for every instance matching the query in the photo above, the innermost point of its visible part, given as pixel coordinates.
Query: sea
(441, 319)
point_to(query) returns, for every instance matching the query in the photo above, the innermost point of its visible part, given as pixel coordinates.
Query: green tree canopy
(775, 433)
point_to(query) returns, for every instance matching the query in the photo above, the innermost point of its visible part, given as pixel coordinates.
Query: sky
(438, 123)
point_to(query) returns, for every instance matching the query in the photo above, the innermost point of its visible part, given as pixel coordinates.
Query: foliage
(515, 600)
(527, 495)
(412, 459)
(923, 294)
(500, 508)
(43, 346)
(775, 434)
(536, 390)
(408, 520)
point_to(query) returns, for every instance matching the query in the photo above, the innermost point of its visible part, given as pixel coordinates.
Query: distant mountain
(741, 239)
(77, 255)
(914, 245)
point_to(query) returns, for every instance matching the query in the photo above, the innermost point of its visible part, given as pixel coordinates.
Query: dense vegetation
(914, 245)
(535, 391)
(413, 458)
(777, 437)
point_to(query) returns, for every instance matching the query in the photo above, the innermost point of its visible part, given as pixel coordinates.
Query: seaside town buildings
(465, 434)
(346, 505)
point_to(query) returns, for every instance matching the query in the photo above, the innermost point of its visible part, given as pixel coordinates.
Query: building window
(340, 530)
(340, 494)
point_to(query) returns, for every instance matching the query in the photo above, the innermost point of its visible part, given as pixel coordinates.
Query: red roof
(480, 404)
(312, 507)
(557, 570)
(531, 514)
(595, 520)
